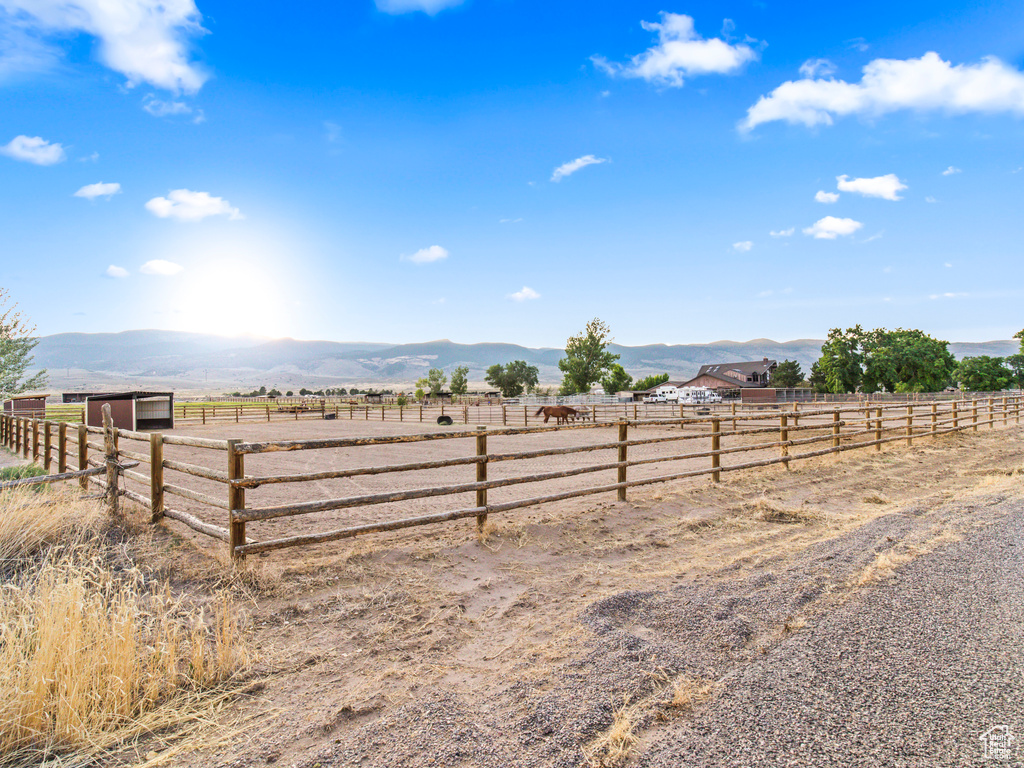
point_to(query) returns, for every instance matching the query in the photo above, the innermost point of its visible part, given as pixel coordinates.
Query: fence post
(784, 439)
(716, 446)
(621, 475)
(991, 413)
(110, 457)
(1016, 408)
(526, 417)
(156, 475)
(481, 476)
(48, 446)
(836, 438)
(733, 417)
(878, 429)
(83, 453)
(26, 438)
(956, 416)
(504, 416)
(236, 499)
(62, 448)
(796, 414)
(1005, 419)
(974, 415)
(910, 426)
(935, 418)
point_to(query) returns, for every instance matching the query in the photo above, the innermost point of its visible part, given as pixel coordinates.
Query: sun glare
(235, 297)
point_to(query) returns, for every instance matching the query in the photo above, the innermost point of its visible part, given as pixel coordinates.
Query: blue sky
(501, 170)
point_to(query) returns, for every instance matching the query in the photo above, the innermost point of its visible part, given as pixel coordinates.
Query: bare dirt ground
(589, 632)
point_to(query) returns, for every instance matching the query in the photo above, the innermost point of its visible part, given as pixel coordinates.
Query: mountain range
(148, 359)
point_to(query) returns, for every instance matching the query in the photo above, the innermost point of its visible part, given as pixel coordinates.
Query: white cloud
(930, 199)
(889, 85)
(947, 265)
(829, 228)
(743, 246)
(948, 296)
(160, 267)
(115, 271)
(782, 232)
(826, 197)
(34, 149)
(145, 40)
(509, 221)
(427, 255)
(817, 68)
(92, 191)
(186, 205)
(951, 170)
(885, 187)
(679, 54)
(527, 294)
(765, 294)
(332, 132)
(430, 7)
(571, 167)
(160, 108)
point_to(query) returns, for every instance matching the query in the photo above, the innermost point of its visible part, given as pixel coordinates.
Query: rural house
(734, 375)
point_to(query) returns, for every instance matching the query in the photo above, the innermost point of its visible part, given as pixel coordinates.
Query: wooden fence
(635, 448)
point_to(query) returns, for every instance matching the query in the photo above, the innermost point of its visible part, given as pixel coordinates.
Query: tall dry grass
(91, 650)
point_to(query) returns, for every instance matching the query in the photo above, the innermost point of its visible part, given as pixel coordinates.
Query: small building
(755, 395)
(374, 398)
(132, 410)
(26, 405)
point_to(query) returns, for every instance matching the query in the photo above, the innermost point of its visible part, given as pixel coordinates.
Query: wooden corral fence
(795, 432)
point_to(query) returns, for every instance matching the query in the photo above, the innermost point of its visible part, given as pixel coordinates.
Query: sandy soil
(437, 646)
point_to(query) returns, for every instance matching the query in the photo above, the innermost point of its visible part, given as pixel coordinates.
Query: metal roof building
(132, 410)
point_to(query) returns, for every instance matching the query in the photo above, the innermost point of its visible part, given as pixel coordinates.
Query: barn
(132, 410)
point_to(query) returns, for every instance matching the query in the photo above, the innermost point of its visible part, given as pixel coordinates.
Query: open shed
(132, 410)
(25, 405)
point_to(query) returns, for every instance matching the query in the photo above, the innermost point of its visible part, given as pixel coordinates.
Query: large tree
(616, 379)
(787, 374)
(434, 381)
(1016, 362)
(586, 358)
(16, 345)
(839, 367)
(983, 374)
(905, 360)
(642, 385)
(460, 383)
(514, 378)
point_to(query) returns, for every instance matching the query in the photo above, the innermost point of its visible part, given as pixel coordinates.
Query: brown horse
(562, 413)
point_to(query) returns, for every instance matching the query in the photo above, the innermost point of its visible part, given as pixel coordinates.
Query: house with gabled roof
(734, 375)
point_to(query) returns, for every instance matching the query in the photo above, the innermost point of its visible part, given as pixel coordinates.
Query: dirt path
(526, 647)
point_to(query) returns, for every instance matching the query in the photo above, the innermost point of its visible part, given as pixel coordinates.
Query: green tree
(905, 360)
(434, 381)
(586, 358)
(839, 367)
(419, 393)
(1016, 362)
(983, 374)
(787, 374)
(514, 378)
(642, 385)
(616, 379)
(460, 384)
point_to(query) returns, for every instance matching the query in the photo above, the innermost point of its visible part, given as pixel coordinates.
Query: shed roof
(128, 395)
(28, 397)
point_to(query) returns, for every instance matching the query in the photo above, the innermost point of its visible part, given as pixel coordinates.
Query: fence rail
(652, 440)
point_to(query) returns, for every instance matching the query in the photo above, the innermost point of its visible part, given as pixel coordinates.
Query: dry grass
(876, 498)
(690, 692)
(772, 512)
(30, 522)
(92, 655)
(612, 747)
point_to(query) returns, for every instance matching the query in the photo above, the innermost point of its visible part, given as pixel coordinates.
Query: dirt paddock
(307, 461)
(542, 641)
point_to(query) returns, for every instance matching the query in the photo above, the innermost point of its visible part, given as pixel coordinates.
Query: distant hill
(187, 361)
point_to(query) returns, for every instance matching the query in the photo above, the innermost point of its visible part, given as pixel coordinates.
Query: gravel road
(908, 670)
